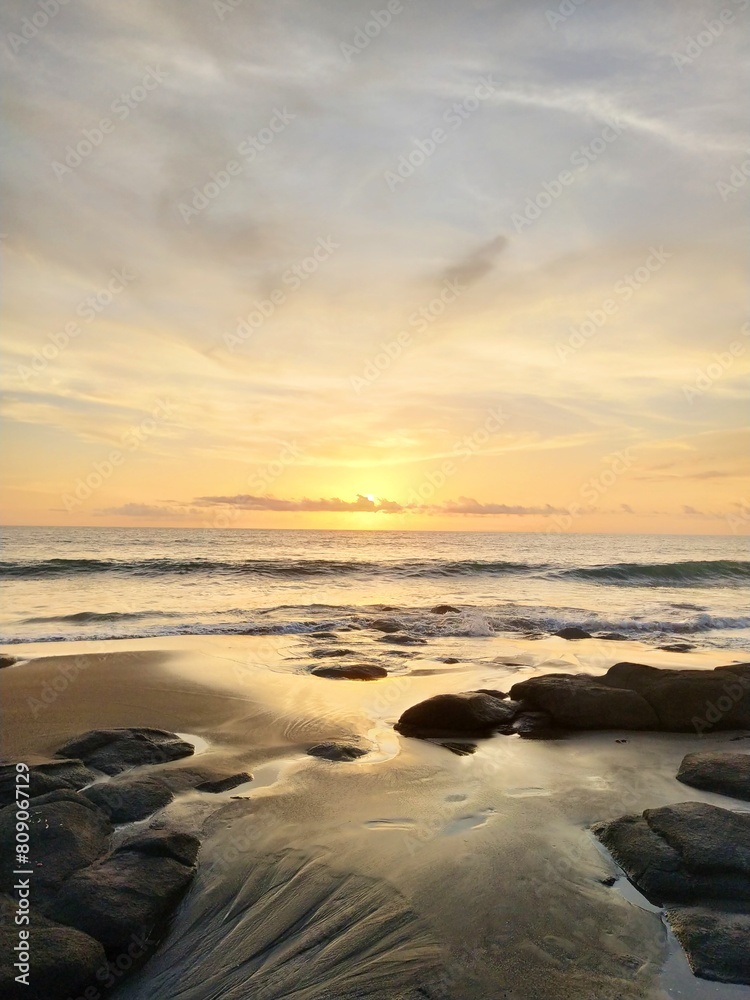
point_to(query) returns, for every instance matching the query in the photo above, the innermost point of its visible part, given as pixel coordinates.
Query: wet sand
(411, 872)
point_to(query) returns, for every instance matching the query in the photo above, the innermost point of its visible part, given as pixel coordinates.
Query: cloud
(140, 510)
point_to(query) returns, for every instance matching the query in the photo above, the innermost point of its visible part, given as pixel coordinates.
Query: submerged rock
(444, 609)
(7, 661)
(115, 750)
(324, 653)
(351, 671)
(386, 625)
(129, 800)
(64, 961)
(404, 640)
(470, 713)
(720, 771)
(337, 751)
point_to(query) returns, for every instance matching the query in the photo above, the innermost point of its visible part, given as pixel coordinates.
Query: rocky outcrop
(581, 702)
(573, 632)
(67, 833)
(351, 672)
(637, 696)
(470, 713)
(339, 752)
(131, 890)
(444, 609)
(693, 858)
(45, 776)
(715, 942)
(63, 962)
(386, 625)
(126, 801)
(718, 771)
(115, 750)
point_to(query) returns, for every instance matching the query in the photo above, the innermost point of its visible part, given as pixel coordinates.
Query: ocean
(109, 583)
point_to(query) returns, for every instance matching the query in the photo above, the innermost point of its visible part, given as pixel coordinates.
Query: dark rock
(460, 749)
(573, 632)
(7, 661)
(445, 609)
(580, 702)
(609, 881)
(386, 625)
(128, 892)
(63, 960)
(677, 647)
(450, 659)
(351, 671)
(469, 713)
(493, 692)
(687, 700)
(715, 942)
(66, 832)
(324, 653)
(129, 800)
(740, 669)
(404, 640)
(717, 771)
(224, 784)
(176, 844)
(685, 853)
(323, 635)
(114, 750)
(533, 725)
(337, 751)
(611, 636)
(44, 776)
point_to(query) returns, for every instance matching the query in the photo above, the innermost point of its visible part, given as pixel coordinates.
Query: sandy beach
(470, 877)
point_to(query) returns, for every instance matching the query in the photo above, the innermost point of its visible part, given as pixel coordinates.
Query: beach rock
(611, 636)
(577, 701)
(450, 659)
(323, 653)
(404, 640)
(685, 853)
(677, 647)
(687, 700)
(573, 632)
(44, 776)
(66, 833)
(715, 942)
(337, 751)
(444, 609)
(128, 892)
(351, 671)
(224, 784)
(129, 800)
(323, 635)
(720, 771)
(115, 750)
(460, 749)
(7, 661)
(63, 963)
(533, 725)
(470, 713)
(386, 625)
(166, 843)
(493, 693)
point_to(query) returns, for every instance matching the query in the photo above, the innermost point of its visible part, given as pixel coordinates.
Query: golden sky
(471, 266)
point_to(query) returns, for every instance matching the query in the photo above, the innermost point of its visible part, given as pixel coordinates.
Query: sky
(411, 265)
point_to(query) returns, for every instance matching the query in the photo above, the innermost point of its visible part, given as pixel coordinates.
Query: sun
(370, 497)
